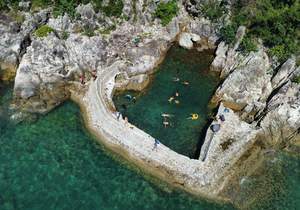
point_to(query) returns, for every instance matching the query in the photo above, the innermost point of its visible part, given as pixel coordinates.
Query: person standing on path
(156, 143)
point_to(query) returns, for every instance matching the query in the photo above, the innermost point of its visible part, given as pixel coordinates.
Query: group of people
(83, 79)
(220, 118)
(174, 98)
(177, 79)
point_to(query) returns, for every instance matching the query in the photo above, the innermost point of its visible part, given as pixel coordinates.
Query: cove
(53, 163)
(187, 73)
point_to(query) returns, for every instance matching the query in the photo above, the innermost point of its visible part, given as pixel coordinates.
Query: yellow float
(193, 116)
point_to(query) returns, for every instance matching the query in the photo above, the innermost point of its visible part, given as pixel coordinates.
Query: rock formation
(259, 103)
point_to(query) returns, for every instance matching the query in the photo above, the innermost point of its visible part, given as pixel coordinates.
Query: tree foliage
(276, 22)
(166, 11)
(43, 31)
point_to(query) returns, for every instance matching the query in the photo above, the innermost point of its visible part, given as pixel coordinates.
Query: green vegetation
(88, 31)
(297, 79)
(114, 8)
(248, 44)
(43, 31)
(2, 4)
(166, 11)
(65, 35)
(108, 29)
(60, 7)
(227, 33)
(35, 4)
(276, 22)
(16, 16)
(213, 10)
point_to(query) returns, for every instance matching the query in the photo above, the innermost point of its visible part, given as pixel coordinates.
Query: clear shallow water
(275, 185)
(183, 134)
(54, 163)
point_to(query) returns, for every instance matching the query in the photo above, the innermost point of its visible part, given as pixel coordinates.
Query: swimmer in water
(176, 79)
(177, 94)
(166, 115)
(129, 97)
(166, 123)
(171, 99)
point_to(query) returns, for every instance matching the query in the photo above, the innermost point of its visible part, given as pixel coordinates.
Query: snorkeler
(129, 97)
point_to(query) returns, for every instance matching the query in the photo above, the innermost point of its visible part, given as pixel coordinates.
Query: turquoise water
(275, 185)
(183, 134)
(54, 163)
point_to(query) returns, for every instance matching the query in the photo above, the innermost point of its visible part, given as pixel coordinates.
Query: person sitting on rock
(82, 79)
(222, 117)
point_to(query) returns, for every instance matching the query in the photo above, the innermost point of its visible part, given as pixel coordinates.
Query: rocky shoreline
(258, 97)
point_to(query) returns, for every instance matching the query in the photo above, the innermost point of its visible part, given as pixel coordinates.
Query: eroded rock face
(50, 63)
(286, 71)
(281, 124)
(249, 85)
(228, 58)
(40, 75)
(15, 36)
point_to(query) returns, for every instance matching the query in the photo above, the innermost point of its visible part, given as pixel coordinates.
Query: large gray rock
(281, 123)
(15, 36)
(187, 40)
(39, 82)
(249, 85)
(49, 64)
(228, 58)
(286, 72)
